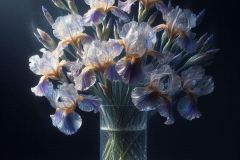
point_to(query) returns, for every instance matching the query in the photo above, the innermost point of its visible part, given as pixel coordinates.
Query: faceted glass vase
(123, 133)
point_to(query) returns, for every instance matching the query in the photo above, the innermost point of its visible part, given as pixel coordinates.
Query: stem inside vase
(123, 133)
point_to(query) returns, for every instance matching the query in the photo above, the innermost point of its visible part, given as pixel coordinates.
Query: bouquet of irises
(125, 58)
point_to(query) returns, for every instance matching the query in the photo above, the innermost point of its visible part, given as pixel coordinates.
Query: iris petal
(43, 88)
(93, 17)
(85, 80)
(142, 100)
(130, 72)
(120, 14)
(165, 110)
(67, 27)
(89, 103)
(187, 108)
(67, 123)
(187, 42)
(111, 73)
(126, 5)
(146, 100)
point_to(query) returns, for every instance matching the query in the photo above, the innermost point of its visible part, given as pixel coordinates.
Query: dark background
(26, 129)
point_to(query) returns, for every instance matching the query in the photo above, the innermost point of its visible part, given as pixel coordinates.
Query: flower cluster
(124, 61)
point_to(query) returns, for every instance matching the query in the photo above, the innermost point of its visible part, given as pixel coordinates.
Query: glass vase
(123, 133)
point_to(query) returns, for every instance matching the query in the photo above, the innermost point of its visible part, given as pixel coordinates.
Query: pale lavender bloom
(179, 23)
(195, 84)
(69, 29)
(99, 9)
(137, 39)
(97, 57)
(65, 100)
(163, 83)
(48, 65)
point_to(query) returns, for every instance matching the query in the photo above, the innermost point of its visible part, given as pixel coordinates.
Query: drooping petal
(85, 80)
(67, 123)
(89, 103)
(131, 71)
(142, 100)
(93, 17)
(146, 100)
(187, 42)
(126, 5)
(165, 110)
(111, 73)
(43, 88)
(187, 108)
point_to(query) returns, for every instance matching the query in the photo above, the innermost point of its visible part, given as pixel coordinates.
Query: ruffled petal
(165, 110)
(85, 80)
(195, 81)
(138, 38)
(130, 71)
(127, 28)
(146, 100)
(67, 27)
(47, 65)
(33, 65)
(142, 100)
(204, 87)
(187, 108)
(44, 88)
(89, 103)
(67, 123)
(93, 17)
(126, 5)
(165, 80)
(111, 73)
